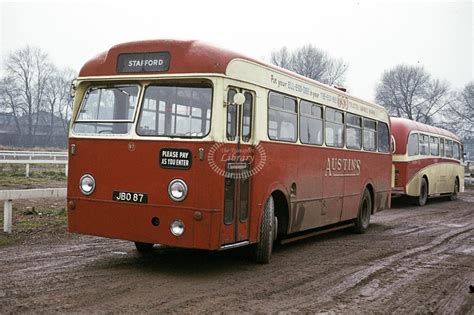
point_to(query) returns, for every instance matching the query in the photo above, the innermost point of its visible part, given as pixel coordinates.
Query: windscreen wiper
(121, 90)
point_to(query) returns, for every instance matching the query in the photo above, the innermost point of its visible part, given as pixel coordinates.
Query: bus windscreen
(175, 111)
(107, 110)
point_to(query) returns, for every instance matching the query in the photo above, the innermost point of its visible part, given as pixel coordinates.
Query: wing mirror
(239, 99)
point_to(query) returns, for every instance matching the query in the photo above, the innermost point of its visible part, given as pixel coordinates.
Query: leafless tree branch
(311, 62)
(410, 92)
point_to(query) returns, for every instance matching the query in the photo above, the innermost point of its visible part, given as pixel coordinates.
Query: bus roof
(196, 57)
(401, 128)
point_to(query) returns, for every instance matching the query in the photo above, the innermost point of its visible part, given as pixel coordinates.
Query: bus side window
(282, 118)
(247, 117)
(434, 146)
(334, 128)
(353, 131)
(311, 123)
(413, 144)
(231, 116)
(231, 132)
(369, 135)
(441, 146)
(424, 145)
(383, 137)
(449, 148)
(456, 151)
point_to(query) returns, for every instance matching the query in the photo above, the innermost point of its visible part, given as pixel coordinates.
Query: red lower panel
(134, 223)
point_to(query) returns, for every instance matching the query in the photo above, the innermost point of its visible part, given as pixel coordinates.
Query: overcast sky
(371, 36)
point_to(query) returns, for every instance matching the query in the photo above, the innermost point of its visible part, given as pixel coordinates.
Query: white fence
(43, 155)
(9, 195)
(33, 157)
(468, 179)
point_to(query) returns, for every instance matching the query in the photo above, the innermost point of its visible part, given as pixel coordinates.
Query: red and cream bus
(187, 145)
(427, 161)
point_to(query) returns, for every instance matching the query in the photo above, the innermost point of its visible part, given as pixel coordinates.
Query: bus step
(234, 245)
(311, 234)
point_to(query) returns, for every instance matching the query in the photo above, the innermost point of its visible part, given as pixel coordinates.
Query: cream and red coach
(427, 161)
(187, 145)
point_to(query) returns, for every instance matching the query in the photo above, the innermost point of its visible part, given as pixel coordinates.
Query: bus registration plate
(126, 196)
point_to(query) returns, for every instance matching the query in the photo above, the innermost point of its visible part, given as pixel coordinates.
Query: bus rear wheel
(423, 197)
(454, 195)
(263, 249)
(362, 222)
(143, 247)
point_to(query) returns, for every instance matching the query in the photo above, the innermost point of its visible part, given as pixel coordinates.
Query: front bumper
(137, 222)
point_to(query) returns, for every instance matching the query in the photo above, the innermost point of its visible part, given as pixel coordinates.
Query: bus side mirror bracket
(73, 88)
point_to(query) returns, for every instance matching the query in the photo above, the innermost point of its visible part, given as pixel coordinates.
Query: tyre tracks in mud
(411, 260)
(386, 282)
(372, 287)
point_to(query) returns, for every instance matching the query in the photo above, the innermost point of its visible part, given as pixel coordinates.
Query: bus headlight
(177, 190)
(87, 184)
(177, 227)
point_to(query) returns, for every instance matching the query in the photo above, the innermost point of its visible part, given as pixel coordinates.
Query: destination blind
(143, 62)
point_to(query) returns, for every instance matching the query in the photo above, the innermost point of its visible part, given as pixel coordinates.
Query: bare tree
(58, 98)
(282, 58)
(311, 62)
(460, 113)
(335, 74)
(9, 96)
(65, 100)
(28, 70)
(410, 92)
(51, 98)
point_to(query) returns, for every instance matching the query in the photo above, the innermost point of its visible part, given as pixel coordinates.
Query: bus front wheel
(361, 223)
(143, 247)
(263, 249)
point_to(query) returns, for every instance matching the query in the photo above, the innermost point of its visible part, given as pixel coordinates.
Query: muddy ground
(412, 260)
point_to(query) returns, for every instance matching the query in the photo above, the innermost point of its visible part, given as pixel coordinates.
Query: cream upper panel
(278, 81)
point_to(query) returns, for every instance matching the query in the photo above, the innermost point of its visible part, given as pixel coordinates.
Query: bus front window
(107, 110)
(175, 111)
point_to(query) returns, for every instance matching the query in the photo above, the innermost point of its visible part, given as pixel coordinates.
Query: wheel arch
(281, 204)
(414, 184)
(371, 190)
(281, 211)
(425, 176)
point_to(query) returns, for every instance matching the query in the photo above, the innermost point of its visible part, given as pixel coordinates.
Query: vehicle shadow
(177, 261)
(402, 202)
(196, 263)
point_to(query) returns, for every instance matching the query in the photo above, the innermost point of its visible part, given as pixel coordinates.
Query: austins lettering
(342, 167)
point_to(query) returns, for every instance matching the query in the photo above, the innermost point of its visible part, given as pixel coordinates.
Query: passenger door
(238, 162)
